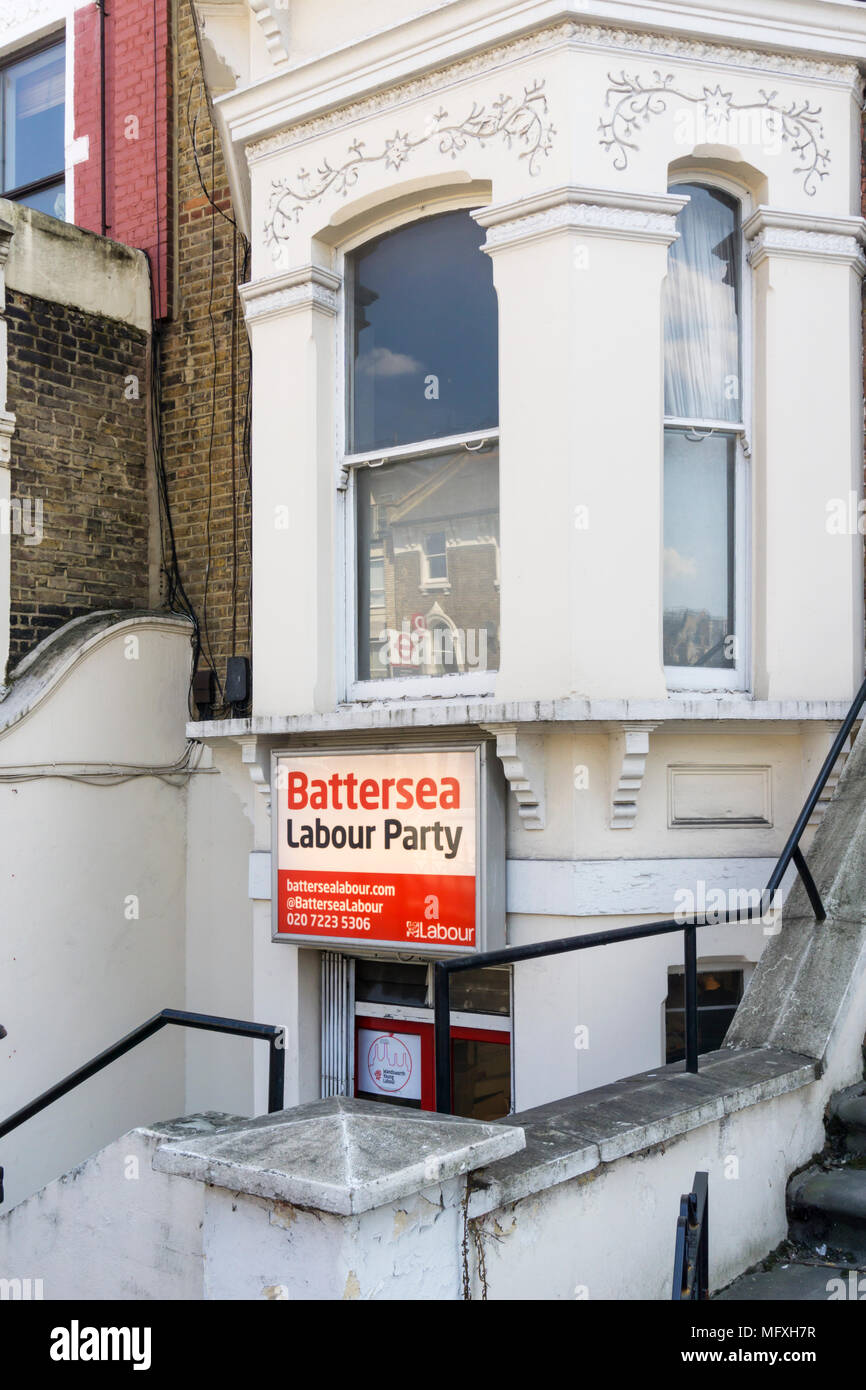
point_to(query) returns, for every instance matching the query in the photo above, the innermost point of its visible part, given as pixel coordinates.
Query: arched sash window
(704, 474)
(422, 422)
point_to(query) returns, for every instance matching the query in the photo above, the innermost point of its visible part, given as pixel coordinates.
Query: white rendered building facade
(557, 451)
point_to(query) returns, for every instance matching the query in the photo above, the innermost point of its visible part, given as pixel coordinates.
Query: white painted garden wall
(93, 886)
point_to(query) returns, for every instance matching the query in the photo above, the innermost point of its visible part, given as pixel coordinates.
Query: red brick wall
(138, 125)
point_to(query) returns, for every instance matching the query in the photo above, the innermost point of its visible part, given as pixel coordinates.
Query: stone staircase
(824, 1257)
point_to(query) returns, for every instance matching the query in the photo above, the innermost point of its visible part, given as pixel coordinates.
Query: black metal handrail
(271, 1033)
(687, 924)
(692, 1249)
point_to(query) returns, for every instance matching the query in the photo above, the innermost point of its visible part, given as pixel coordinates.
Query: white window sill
(464, 710)
(691, 683)
(401, 688)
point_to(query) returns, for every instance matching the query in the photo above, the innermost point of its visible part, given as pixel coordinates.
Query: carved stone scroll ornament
(633, 102)
(520, 124)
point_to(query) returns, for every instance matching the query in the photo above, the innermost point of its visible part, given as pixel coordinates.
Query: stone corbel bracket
(522, 757)
(7, 429)
(635, 750)
(275, 41)
(256, 757)
(830, 729)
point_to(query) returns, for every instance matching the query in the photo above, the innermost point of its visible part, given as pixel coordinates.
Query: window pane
(33, 106)
(715, 988)
(51, 200)
(410, 623)
(482, 1078)
(719, 987)
(701, 303)
(676, 991)
(434, 548)
(424, 356)
(719, 993)
(481, 992)
(675, 1036)
(387, 982)
(713, 1024)
(698, 550)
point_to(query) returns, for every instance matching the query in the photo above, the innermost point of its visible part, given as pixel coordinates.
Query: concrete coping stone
(347, 1156)
(338, 1155)
(567, 1138)
(49, 662)
(202, 1122)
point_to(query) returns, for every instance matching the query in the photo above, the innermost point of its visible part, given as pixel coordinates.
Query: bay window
(703, 638)
(422, 457)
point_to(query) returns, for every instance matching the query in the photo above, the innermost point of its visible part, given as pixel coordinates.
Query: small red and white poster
(389, 1064)
(377, 848)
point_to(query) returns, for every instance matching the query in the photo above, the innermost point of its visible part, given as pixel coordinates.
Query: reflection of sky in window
(33, 116)
(696, 524)
(424, 306)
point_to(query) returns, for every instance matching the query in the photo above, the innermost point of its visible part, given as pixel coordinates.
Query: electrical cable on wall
(238, 240)
(110, 774)
(177, 598)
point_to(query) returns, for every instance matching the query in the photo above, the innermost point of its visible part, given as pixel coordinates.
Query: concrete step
(828, 1207)
(799, 1282)
(850, 1114)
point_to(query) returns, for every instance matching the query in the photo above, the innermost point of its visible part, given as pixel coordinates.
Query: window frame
(737, 678)
(460, 684)
(705, 966)
(406, 1017)
(435, 583)
(11, 59)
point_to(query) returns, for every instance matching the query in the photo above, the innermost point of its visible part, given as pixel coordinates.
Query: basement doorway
(386, 1035)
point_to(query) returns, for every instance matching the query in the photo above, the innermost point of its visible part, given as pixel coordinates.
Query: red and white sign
(389, 1064)
(377, 848)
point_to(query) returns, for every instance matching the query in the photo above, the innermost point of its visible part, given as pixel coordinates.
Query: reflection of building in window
(430, 568)
(32, 106)
(434, 570)
(719, 993)
(445, 649)
(377, 606)
(422, 380)
(693, 639)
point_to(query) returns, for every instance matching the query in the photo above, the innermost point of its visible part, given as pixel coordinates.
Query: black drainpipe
(100, 5)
